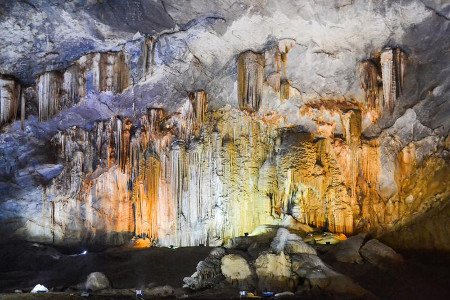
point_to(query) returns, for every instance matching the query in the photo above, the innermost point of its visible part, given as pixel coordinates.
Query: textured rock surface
(219, 117)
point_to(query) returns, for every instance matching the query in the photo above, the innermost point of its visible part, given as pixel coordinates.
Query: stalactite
(276, 63)
(351, 125)
(49, 91)
(393, 65)
(400, 68)
(250, 80)
(199, 103)
(22, 108)
(148, 54)
(113, 72)
(70, 87)
(369, 79)
(9, 99)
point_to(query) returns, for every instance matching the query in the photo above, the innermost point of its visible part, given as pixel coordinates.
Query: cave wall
(200, 134)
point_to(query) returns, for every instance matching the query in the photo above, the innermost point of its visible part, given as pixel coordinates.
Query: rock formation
(276, 269)
(218, 121)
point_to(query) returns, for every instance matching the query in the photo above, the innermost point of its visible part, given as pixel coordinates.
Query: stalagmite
(250, 80)
(48, 91)
(9, 99)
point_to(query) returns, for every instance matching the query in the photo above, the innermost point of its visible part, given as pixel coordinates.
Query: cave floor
(23, 265)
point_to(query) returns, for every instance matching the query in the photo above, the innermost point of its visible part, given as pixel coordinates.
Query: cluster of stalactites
(9, 99)
(94, 72)
(250, 80)
(382, 80)
(154, 133)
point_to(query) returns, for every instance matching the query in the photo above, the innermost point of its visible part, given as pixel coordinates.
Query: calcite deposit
(194, 126)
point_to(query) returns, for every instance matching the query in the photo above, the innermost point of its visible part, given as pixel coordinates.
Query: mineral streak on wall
(9, 99)
(250, 80)
(94, 72)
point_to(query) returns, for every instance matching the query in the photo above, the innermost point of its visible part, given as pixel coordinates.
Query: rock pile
(285, 263)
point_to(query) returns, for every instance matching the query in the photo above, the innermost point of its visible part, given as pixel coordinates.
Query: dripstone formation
(205, 124)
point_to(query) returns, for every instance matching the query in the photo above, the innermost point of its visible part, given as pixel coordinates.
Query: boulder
(236, 270)
(274, 272)
(290, 243)
(319, 278)
(380, 254)
(97, 281)
(298, 247)
(208, 272)
(348, 250)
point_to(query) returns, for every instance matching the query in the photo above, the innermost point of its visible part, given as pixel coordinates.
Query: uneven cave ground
(24, 264)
